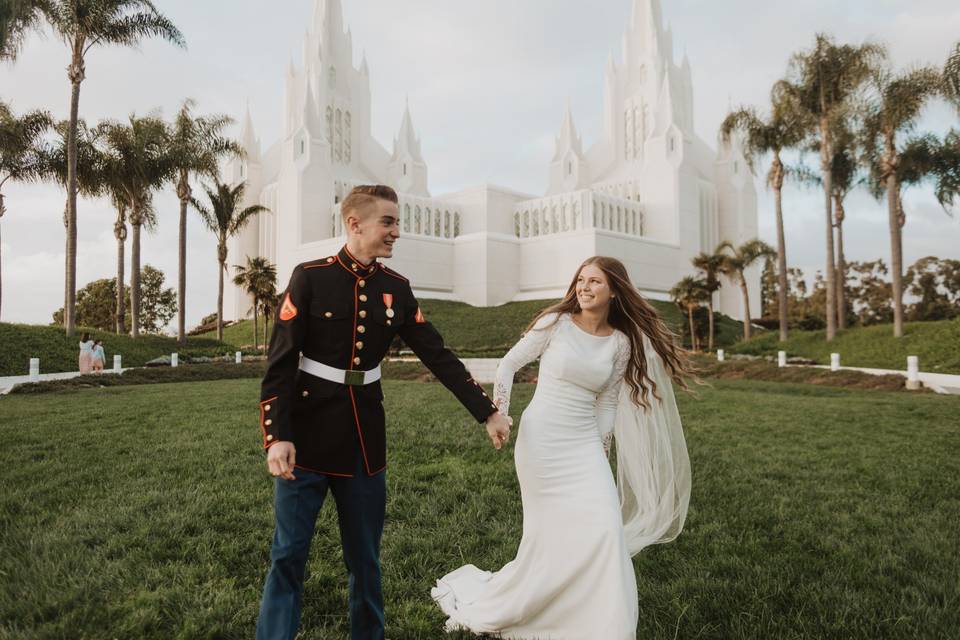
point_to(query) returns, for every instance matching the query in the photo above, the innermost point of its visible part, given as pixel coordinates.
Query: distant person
(86, 354)
(99, 357)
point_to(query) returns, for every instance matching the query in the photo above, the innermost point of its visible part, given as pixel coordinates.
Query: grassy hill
(57, 352)
(491, 331)
(937, 344)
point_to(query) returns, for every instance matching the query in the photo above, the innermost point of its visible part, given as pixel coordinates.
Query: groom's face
(377, 228)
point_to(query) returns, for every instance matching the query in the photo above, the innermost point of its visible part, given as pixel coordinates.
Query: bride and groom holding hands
(607, 364)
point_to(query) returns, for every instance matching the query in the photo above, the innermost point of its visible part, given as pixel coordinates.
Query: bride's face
(593, 290)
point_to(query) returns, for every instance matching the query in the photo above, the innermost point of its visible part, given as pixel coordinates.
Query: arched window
(526, 224)
(417, 220)
(338, 136)
(456, 224)
(436, 223)
(536, 223)
(446, 224)
(406, 218)
(427, 226)
(347, 147)
(516, 224)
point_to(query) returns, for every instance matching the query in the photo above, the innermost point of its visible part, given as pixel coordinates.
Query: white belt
(351, 377)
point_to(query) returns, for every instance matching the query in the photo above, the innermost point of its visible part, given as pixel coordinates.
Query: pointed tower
(249, 170)
(568, 169)
(407, 171)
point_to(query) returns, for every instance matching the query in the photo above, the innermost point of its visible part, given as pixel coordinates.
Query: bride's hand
(498, 429)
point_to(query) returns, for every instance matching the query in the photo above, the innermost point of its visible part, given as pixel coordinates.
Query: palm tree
(824, 81)
(736, 260)
(225, 219)
(82, 25)
(258, 278)
(894, 106)
(21, 152)
(951, 76)
(17, 18)
(140, 165)
(786, 128)
(688, 294)
(269, 302)
(196, 146)
(709, 266)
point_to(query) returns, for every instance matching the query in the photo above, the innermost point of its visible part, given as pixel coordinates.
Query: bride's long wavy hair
(634, 316)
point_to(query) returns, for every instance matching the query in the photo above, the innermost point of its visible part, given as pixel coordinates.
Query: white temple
(649, 192)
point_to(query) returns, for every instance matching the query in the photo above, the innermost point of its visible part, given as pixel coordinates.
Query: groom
(321, 412)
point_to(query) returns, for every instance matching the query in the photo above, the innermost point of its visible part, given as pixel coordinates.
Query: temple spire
(407, 141)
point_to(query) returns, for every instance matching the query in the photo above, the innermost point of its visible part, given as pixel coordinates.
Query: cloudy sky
(486, 82)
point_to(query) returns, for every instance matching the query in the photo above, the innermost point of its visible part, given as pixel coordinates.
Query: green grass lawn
(145, 512)
(937, 344)
(57, 352)
(491, 331)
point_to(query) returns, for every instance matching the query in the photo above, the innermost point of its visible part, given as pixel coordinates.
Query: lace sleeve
(608, 397)
(530, 347)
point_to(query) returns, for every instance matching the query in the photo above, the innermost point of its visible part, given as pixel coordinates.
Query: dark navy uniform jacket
(344, 314)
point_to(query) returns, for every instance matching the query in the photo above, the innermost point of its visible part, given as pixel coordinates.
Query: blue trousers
(361, 503)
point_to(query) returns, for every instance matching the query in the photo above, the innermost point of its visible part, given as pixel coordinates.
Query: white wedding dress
(573, 577)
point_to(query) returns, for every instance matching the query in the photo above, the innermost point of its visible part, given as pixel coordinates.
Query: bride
(607, 362)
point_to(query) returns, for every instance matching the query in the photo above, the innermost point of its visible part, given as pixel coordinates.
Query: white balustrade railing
(585, 209)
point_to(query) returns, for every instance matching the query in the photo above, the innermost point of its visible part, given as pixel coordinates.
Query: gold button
(266, 407)
(356, 361)
(269, 438)
(328, 314)
(268, 422)
(388, 322)
(330, 259)
(363, 297)
(363, 314)
(362, 283)
(353, 265)
(361, 329)
(360, 345)
(305, 393)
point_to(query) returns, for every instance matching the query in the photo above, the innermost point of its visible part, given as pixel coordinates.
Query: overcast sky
(487, 83)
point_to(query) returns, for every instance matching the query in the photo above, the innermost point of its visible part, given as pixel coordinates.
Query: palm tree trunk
(896, 251)
(223, 266)
(693, 334)
(1, 257)
(135, 276)
(76, 74)
(781, 254)
(710, 319)
(266, 325)
(826, 152)
(841, 268)
(182, 276)
(746, 307)
(183, 192)
(256, 333)
(120, 232)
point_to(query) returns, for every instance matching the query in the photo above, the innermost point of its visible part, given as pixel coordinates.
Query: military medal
(388, 302)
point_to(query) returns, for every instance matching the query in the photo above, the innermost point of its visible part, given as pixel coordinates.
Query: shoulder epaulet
(390, 272)
(322, 262)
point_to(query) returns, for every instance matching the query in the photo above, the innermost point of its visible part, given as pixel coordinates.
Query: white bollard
(720, 355)
(174, 359)
(834, 362)
(781, 358)
(117, 367)
(238, 357)
(913, 373)
(34, 369)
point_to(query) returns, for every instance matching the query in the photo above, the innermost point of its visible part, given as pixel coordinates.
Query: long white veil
(653, 468)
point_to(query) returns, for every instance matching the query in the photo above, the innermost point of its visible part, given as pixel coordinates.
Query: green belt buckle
(353, 378)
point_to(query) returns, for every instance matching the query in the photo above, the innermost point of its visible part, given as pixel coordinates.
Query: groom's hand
(280, 460)
(498, 428)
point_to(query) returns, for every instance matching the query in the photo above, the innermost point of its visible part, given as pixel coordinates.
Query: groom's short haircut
(362, 196)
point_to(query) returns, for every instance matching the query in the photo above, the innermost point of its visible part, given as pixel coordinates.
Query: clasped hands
(498, 428)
